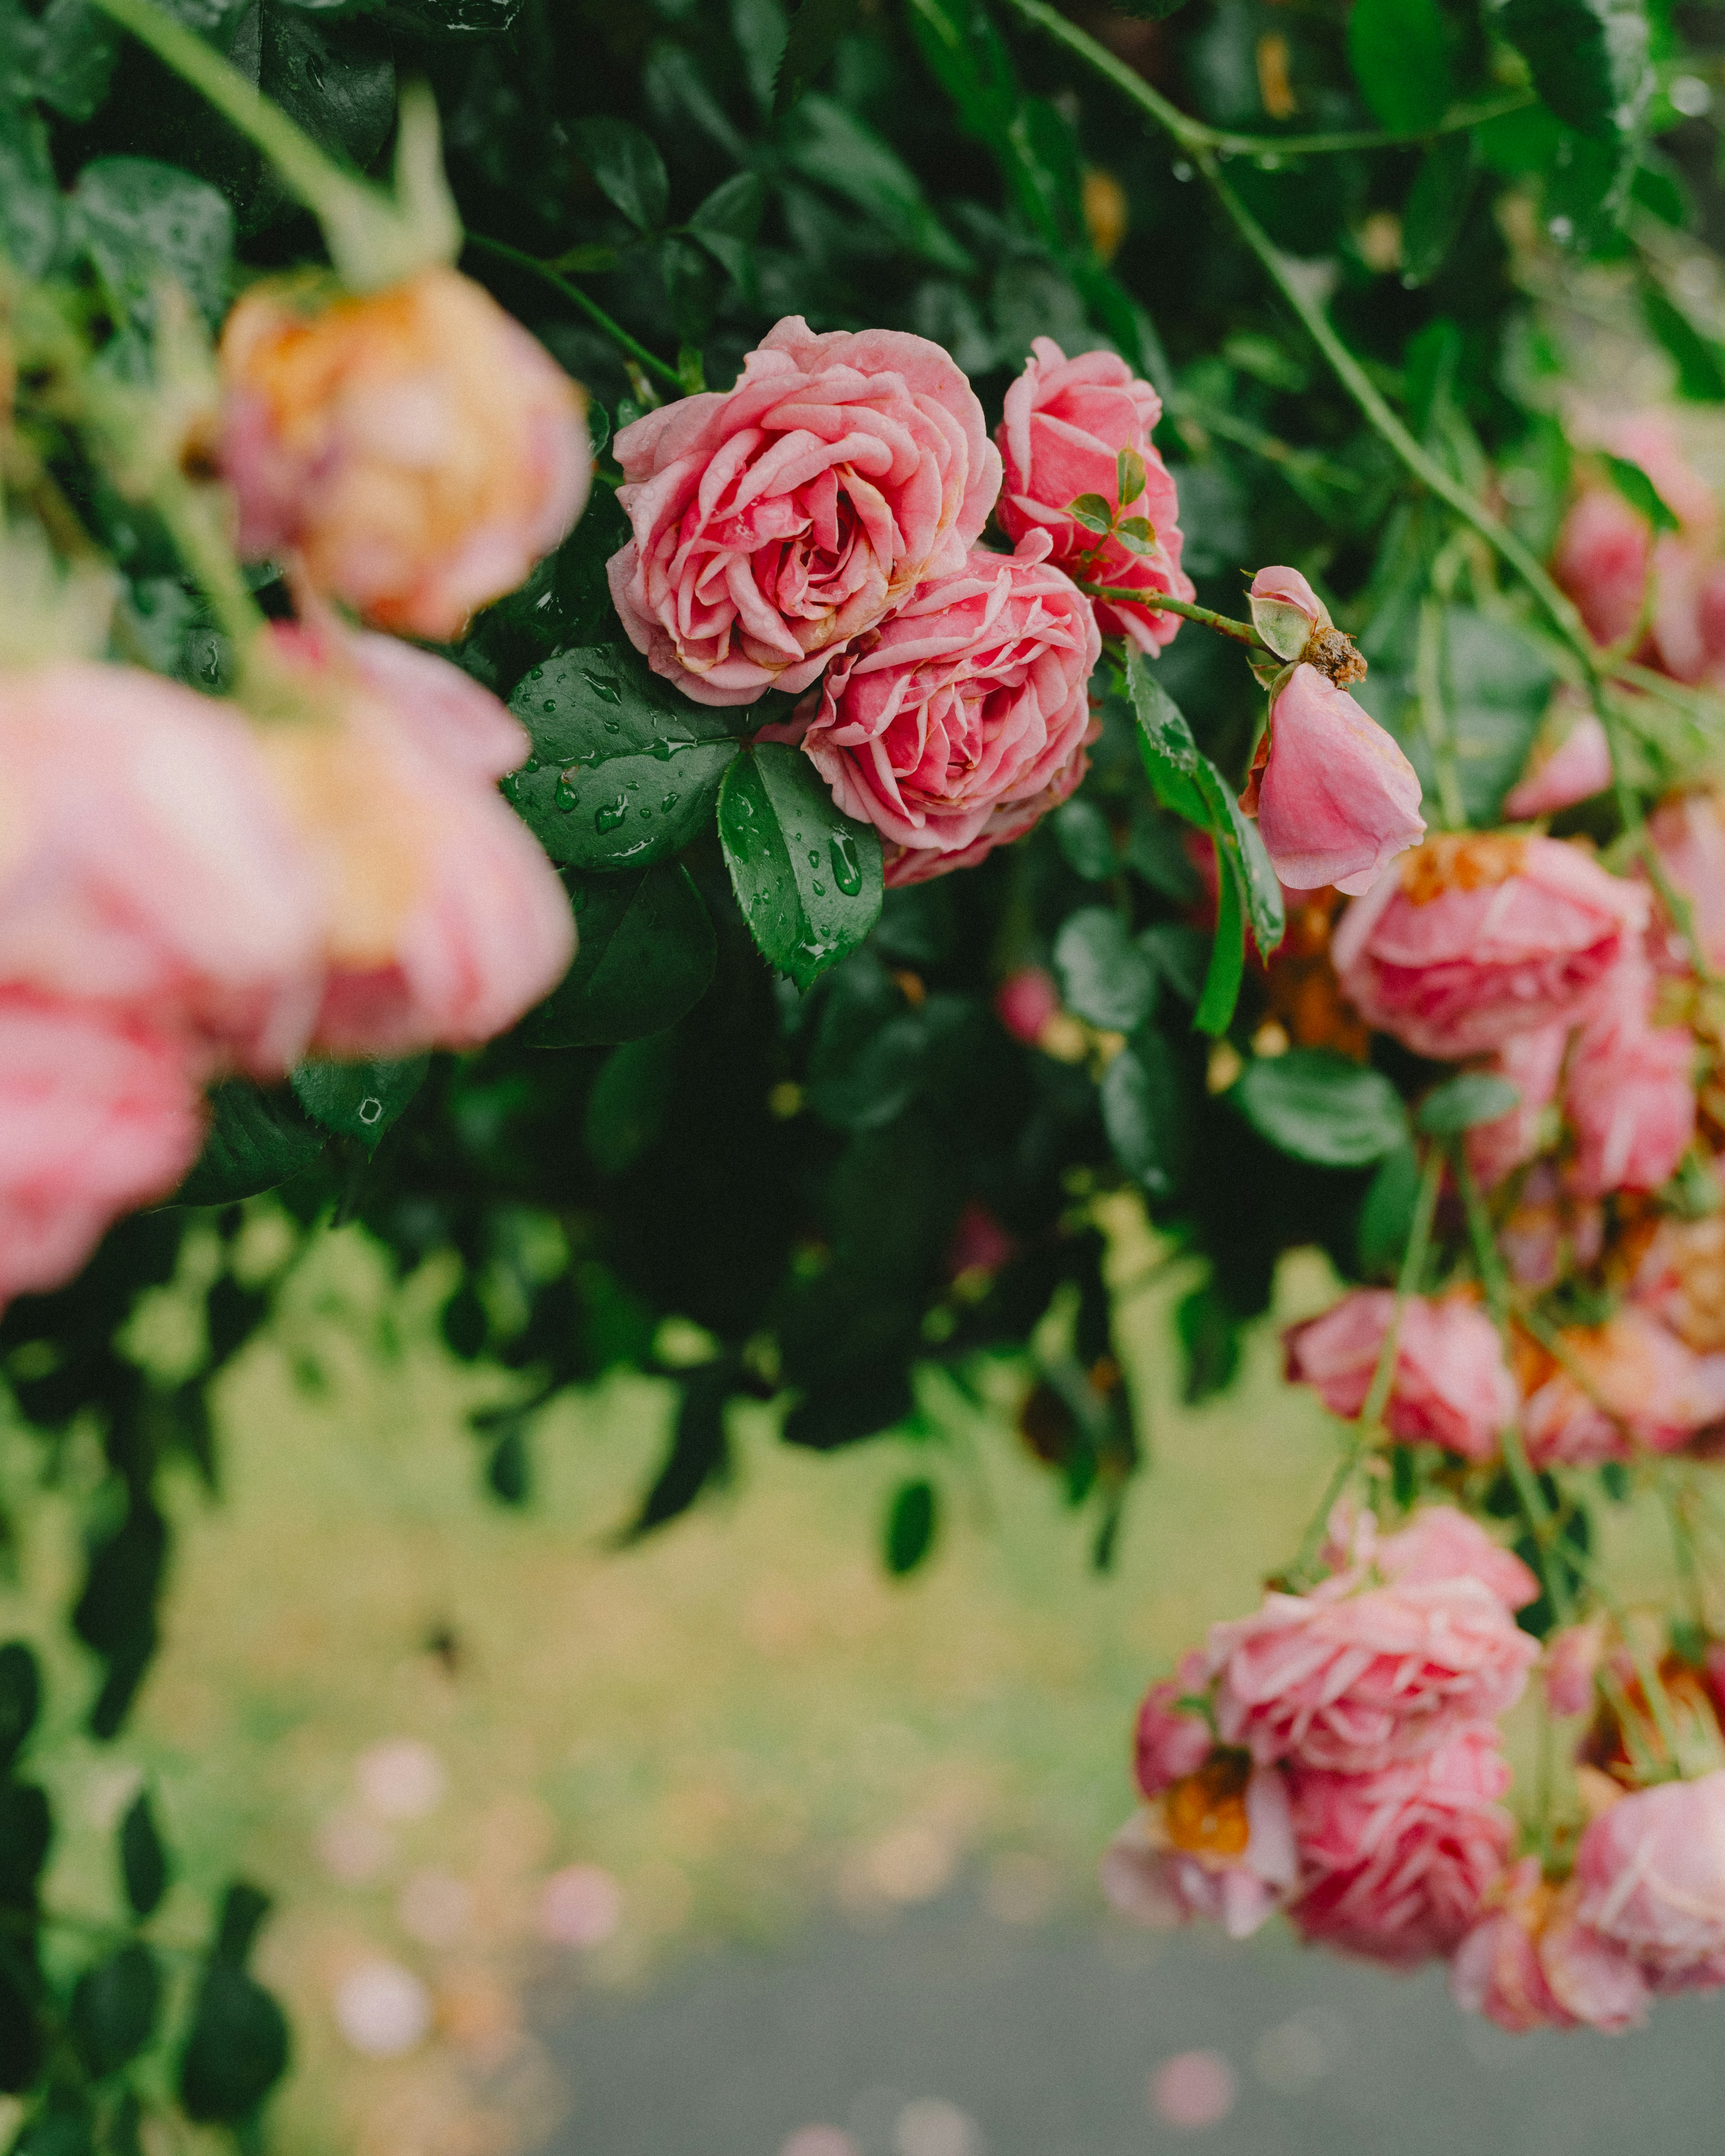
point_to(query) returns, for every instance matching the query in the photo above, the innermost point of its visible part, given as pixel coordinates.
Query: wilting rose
(445, 920)
(1336, 800)
(1468, 941)
(1065, 423)
(962, 719)
(1578, 768)
(147, 865)
(1630, 1382)
(1631, 1090)
(1216, 1843)
(1532, 1063)
(1451, 1385)
(98, 1113)
(1527, 1963)
(415, 450)
(1652, 1878)
(1688, 835)
(776, 520)
(1393, 1863)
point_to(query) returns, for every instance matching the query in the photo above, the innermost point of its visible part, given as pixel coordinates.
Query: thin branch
(591, 308)
(1240, 631)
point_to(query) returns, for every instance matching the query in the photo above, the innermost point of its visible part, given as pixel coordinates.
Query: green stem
(1118, 595)
(1434, 716)
(591, 308)
(197, 541)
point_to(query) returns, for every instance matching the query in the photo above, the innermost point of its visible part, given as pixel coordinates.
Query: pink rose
(1631, 1092)
(1393, 1862)
(1218, 1845)
(963, 718)
(1688, 833)
(415, 450)
(1025, 1001)
(1170, 1741)
(98, 1113)
(1440, 1543)
(1532, 1062)
(777, 521)
(1652, 1877)
(1528, 1964)
(1450, 1386)
(1337, 799)
(1572, 1659)
(1634, 1384)
(1066, 423)
(1468, 941)
(1602, 561)
(1551, 1231)
(1576, 770)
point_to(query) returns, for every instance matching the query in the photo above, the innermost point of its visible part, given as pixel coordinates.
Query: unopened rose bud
(1294, 622)
(1337, 799)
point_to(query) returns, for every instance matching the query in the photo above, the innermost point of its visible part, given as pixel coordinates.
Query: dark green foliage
(912, 1522)
(143, 1860)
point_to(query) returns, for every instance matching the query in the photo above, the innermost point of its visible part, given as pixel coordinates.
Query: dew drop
(668, 803)
(370, 1109)
(609, 815)
(606, 691)
(614, 726)
(549, 704)
(847, 869)
(565, 797)
(820, 890)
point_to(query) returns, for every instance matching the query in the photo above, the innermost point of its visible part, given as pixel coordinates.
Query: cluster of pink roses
(338, 875)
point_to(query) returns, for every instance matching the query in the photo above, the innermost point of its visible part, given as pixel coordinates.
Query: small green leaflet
(1147, 1113)
(1700, 362)
(1104, 977)
(255, 1141)
(1633, 484)
(1589, 59)
(1321, 1108)
(911, 1523)
(627, 166)
(1475, 1096)
(808, 880)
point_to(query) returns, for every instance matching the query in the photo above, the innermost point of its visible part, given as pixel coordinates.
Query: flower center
(1205, 1813)
(1459, 861)
(1334, 655)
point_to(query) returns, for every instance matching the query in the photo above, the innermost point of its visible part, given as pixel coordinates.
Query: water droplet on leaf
(609, 815)
(847, 869)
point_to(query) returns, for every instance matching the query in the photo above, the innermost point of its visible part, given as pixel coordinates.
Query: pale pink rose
(415, 450)
(1532, 1063)
(1170, 1741)
(1576, 770)
(1652, 1878)
(1603, 559)
(98, 1113)
(1528, 1964)
(1065, 423)
(147, 865)
(445, 922)
(1337, 799)
(1634, 1385)
(1467, 942)
(1440, 1543)
(776, 520)
(957, 723)
(1450, 1386)
(1025, 1001)
(1217, 1845)
(1353, 1678)
(1688, 835)
(1572, 1659)
(1631, 1090)
(1393, 1862)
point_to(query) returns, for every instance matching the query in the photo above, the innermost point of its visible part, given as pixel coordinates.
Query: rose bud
(1215, 1843)
(1631, 1091)
(1451, 1384)
(100, 1112)
(1469, 941)
(960, 721)
(1576, 770)
(1294, 622)
(1652, 1878)
(1025, 1001)
(777, 521)
(1336, 800)
(415, 451)
(1074, 427)
(1527, 1963)
(1629, 1382)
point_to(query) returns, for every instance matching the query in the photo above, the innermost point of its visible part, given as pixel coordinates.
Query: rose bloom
(1527, 1963)
(1171, 1741)
(147, 865)
(1065, 423)
(1337, 799)
(1025, 1001)
(1636, 1383)
(1468, 941)
(1680, 1280)
(1652, 1879)
(1688, 835)
(1532, 1063)
(1440, 1543)
(776, 520)
(1572, 1660)
(1451, 1384)
(445, 922)
(98, 1113)
(1217, 1844)
(1631, 1091)
(1577, 769)
(415, 450)
(962, 720)
(1393, 1863)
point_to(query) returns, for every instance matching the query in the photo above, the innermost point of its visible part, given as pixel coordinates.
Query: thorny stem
(1118, 595)
(594, 312)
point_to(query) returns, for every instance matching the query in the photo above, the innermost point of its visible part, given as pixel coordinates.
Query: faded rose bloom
(1578, 768)
(1450, 1386)
(98, 1113)
(1171, 1741)
(415, 450)
(777, 521)
(1688, 835)
(1467, 942)
(960, 720)
(1025, 1001)
(1532, 1063)
(1527, 1963)
(1065, 423)
(1393, 1862)
(1216, 1843)
(1634, 1384)
(1651, 1872)
(1572, 1658)
(1631, 1090)
(1440, 1543)
(1336, 800)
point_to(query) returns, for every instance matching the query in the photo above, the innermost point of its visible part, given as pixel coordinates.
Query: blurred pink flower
(1440, 1543)
(1025, 1001)
(1337, 799)
(1634, 1383)
(1171, 1741)
(1532, 1063)
(1631, 1090)
(1215, 1846)
(1450, 1386)
(1688, 835)
(1651, 1870)
(979, 1243)
(1528, 1964)
(1572, 1656)
(1577, 769)
(1194, 2089)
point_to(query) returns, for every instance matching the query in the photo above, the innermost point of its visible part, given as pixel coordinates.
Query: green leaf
(1260, 885)
(1474, 1096)
(1400, 57)
(1700, 362)
(358, 1099)
(912, 1520)
(1093, 512)
(623, 771)
(808, 880)
(30, 212)
(1086, 844)
(1633, 484)
(1104, 976)
(1165, 743)
(1436, 204)
(75, 63)
(825, 141)
(759, 28)
(20, 1700)
(1498, 682)
(1147, 1113)
(627, 166)
(237, 2049)
(816, 29)
(255, 1141)
(143, 1860)
(1589, 59)
(1386, 1216)
(626, 1108)
(1227, 967)
(26, 1833)
(1136, 534)
(645, 958)
(139, 221)
(343, 97)
(1130, 477)
(1321, 1108)
(725, 223)
(114, 2009)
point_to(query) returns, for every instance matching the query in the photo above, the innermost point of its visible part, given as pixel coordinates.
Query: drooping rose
(1688, 835)
(1393, 1862)
(1215, 1845)
(1532, 1063)
(1631, 1090)
(1577, 769)
(1337, 799)
(1066, 423)
(98, 1113)
(777, 521)
(1527, 1963)
(1451, 1385)
(1467, 942)
(1629, 1382)
(1652, 1879)
(962, 720)
(415, 450)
